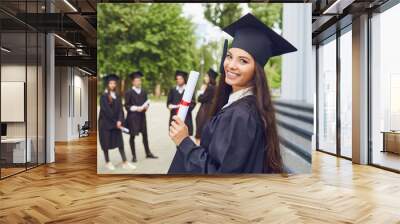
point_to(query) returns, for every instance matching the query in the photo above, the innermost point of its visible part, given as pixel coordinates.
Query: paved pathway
(159, 141)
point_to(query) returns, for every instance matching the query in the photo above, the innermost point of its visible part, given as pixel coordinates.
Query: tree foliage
(153, 38)
(268, 13)
(222, 14)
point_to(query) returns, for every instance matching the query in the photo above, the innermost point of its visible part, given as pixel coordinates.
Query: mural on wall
(145, 66)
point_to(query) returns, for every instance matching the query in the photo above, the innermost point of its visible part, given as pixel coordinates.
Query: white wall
(33, 126)
(80, 98)
(298, 68)
(71, 93)
(14, 72)
(17, 73)
(61, 103)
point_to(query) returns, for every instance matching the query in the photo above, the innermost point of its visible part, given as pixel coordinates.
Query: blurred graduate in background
(205, 96)
(111, 117)
(136, 104)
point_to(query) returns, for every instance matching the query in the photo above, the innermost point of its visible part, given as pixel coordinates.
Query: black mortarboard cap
(136, 74)
(181, 73)
(260, 41)
(110, 77)
(213, 74)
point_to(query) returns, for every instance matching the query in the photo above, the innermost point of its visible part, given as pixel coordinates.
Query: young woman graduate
(136, 105)
(241, 137)
(205, 97)
(111, 117)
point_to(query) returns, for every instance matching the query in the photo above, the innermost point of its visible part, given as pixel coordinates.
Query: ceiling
(328, 16)
(74, 22)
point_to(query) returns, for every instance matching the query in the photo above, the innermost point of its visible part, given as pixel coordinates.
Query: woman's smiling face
(239, 68)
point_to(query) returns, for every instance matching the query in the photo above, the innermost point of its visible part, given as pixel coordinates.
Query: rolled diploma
(124, 129)
(146, 103)
(187, 95)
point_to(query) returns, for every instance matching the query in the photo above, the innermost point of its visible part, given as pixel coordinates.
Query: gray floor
(160, 144)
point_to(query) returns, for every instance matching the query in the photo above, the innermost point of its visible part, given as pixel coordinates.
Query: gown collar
(112, 93)
(238, 95)
(180, 89)
(137, 90)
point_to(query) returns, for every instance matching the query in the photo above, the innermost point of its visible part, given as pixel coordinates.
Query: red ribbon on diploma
(183, 103)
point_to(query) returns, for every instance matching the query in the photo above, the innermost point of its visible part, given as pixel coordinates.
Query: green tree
(154, 38)
(268, 13)
(273, 71)
(208, 53)
(222, 14)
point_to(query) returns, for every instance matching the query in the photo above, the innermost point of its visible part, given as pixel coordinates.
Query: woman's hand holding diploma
(178, 130)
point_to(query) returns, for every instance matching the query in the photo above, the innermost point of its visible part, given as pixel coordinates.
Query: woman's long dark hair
(273, 160)
(212, 81)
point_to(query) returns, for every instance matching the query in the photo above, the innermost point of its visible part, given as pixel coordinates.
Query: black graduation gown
(232, 142)
(135, 121)
(203, 115)
(174, 97)
(110, 113)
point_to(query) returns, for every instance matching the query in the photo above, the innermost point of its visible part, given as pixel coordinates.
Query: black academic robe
(203, 115)
(110, 113)
(135, 120)
(174, 97)
(232, 142)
